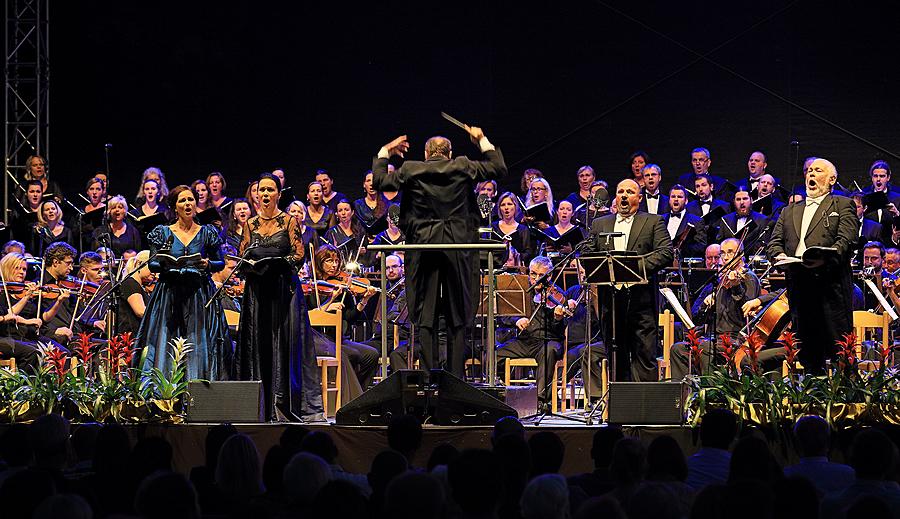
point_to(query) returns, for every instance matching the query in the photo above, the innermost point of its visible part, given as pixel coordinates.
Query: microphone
(107, 146)
(600, 199)
(609, 234)
(795, 143)
(485, 204)
(394, 213)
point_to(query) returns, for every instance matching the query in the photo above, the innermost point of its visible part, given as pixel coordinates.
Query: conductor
(439, 207)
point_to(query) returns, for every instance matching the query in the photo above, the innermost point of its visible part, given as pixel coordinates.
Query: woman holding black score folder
(183, 255)
(276, 344)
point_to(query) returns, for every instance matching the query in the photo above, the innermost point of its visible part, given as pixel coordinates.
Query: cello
(766, 328)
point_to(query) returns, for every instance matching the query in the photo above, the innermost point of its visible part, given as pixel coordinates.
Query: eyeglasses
(539, 189)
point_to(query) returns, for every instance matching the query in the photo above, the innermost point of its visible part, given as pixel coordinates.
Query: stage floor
(358, 445)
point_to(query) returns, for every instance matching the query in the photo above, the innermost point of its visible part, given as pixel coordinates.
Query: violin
(556, 297)
(19, 290)
(357, 286)
(87, 289)
(727, 280)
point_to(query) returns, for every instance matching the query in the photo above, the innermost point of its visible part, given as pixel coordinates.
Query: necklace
(276, 215)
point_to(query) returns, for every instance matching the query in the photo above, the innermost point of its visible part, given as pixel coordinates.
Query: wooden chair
(233, 318)
(9, 364)
(604, 388)
(863, 321)
(325, 319)
(667, 323)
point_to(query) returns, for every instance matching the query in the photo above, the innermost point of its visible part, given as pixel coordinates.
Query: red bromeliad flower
(82, 348)
(728, 351)
(56, 361)
(751, 349)
(120, 351)
(693, 339)
(789, 341)
(847, 351)
(884, 353)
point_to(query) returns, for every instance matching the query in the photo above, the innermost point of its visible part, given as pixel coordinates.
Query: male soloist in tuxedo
(439, 206)
(820, 297)
(637, 341)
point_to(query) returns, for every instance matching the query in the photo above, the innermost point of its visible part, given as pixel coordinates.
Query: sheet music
(676, 305)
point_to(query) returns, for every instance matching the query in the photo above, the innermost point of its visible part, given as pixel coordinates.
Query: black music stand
(613, 269)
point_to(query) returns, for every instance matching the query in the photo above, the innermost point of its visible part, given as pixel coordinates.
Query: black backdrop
(245, 87)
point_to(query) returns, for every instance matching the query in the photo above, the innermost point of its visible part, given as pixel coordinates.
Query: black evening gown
(276, 344)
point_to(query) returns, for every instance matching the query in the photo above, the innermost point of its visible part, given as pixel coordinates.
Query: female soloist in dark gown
(276, 344)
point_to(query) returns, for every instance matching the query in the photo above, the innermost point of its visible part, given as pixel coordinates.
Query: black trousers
(636, 333)
(578, 359)
(546, 356)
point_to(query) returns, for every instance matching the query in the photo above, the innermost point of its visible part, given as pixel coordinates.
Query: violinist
(873, 261)
(59, 260)
(361, 360)
(20, 325)
(720, 305)
(541, 336)
(91, 270)
(396, 314)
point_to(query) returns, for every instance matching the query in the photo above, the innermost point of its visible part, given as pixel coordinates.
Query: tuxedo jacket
(694, 244)
(662, 208)
(728, 228)
(712, 228)
(648, 236)
(439, 202)
(834, 224)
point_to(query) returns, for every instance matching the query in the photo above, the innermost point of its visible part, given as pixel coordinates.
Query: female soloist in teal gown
(177, 306)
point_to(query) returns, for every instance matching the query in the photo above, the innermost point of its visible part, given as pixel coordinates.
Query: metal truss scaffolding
(27, 89)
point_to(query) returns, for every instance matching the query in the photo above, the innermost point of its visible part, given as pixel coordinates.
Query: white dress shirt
(652, 203)
(623, 225)
(809, 210)
(675, 220)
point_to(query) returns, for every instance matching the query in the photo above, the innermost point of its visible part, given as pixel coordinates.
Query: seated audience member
(873, 456)
(599, 481)
(711, 463)
(627, 469)
(304, 477)
(405, 436)
(752, 460)
(322, 445)
(667, 466)
(475, 483)
(545, 497)
(413, 495)
(387, 465)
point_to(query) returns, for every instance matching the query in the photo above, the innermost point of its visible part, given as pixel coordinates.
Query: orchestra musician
(19, 322)
(59, 260)
(275, 343)
(397, 310)
(541, 336)
(177, 307)
(91, 270)
(359, 361)
(719, 307)
(439, 207)
(819, 296)
(637, 333)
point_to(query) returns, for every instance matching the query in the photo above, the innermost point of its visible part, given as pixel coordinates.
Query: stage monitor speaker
(236, 402)
(646, 403)
(455, 402)
(403, 392)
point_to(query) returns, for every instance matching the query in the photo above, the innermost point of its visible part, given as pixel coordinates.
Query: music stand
(613, 269)
(510, 298)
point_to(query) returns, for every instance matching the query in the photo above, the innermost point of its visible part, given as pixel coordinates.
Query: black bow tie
(675, 215)
(705, 202)
(653, 197)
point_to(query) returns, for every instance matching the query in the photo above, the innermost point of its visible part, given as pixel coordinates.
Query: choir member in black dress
(50, 228)
(118, 234)
(371, 207)
(506, 228)
(318, 215)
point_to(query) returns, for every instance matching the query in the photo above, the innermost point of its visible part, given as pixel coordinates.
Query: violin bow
(6, 293)
(77, 300)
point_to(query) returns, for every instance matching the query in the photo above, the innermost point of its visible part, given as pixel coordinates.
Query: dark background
(241, 88)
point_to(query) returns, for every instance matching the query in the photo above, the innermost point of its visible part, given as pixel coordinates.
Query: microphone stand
(79, 214)
(241, 261)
